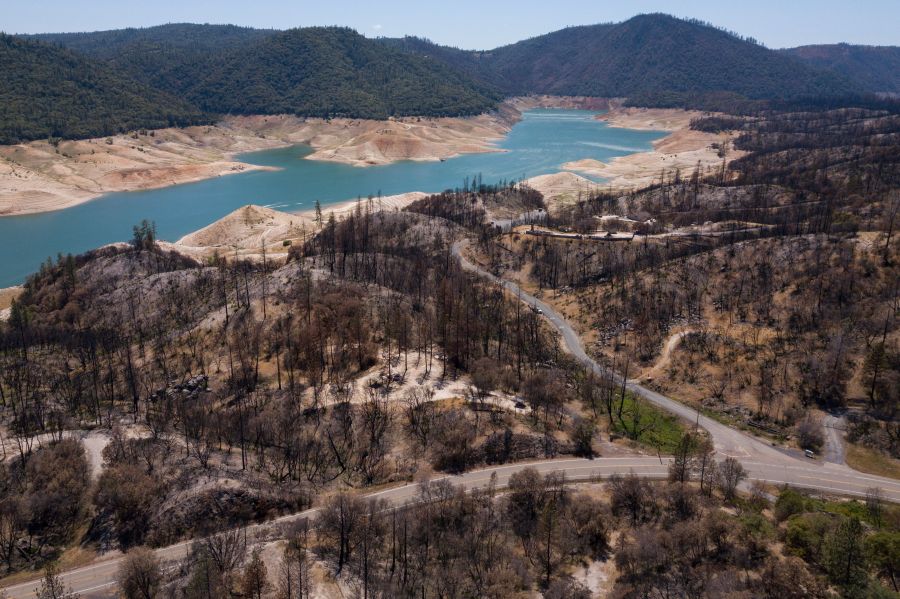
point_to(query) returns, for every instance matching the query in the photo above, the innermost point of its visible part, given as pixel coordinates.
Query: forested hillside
(170, 57)
(653, 59)
(316, 71)
(330, 71)
(187, 37)
(876, 68)
(47, 91)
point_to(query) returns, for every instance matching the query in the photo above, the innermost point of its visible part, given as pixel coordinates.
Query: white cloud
(376, 27)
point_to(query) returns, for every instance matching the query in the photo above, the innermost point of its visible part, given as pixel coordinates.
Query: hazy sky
(474, 24)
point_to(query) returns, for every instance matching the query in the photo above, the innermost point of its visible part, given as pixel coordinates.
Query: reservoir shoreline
(533, 151)
(38, 176)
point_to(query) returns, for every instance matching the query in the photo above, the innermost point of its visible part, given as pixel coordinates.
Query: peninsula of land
(683, 150)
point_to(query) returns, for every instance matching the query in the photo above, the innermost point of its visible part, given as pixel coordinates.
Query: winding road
(762, 462)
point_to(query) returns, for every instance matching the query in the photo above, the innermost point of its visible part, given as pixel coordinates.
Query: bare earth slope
(249, 229)
(564, 187)
(249, 226)
(682, 150)
(39, 177)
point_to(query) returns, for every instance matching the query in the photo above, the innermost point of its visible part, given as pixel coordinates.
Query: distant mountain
(874, 68)
(656, 58)
(169, 57)
(332, 71)
(47, 91)
(315, 71)
(188, 37)
(107, 81)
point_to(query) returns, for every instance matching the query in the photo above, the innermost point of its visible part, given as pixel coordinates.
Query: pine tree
(845, 556)
(254, 581)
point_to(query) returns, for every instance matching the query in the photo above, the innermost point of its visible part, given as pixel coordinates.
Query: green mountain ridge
(331, 71)
(313, 71)
(48, 92)
(875, 68)
(652, 57)
(192, 38)
(168, 57)
(104, 82)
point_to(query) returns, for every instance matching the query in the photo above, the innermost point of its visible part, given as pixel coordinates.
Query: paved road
(761, 459)
(99, 579)
(763, 463)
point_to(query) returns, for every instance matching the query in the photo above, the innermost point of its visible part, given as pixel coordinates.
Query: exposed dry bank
(40, 176)
(682, 150)
(7, 295)
(249, 230)
(564, 187)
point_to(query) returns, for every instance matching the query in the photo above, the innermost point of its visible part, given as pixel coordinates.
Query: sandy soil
(682, 150)
(7, 295)
(394, 202)
(412, 373)
(249, 229)
(665, 356)
(648, 119)
(597, 576)
(365, 143)
(573, 102)
(94, 443)
(323, 583)
(39, 177)
(585, 165)
(563, 188)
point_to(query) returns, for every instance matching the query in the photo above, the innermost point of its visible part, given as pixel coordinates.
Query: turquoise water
(537, 145)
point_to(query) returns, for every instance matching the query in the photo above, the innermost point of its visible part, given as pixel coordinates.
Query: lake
(538, 144)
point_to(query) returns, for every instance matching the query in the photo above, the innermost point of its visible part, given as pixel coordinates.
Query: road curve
(762, 462)
(99, 579)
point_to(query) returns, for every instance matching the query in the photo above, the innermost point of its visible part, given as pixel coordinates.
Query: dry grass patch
(870, 461)
(7, 295)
